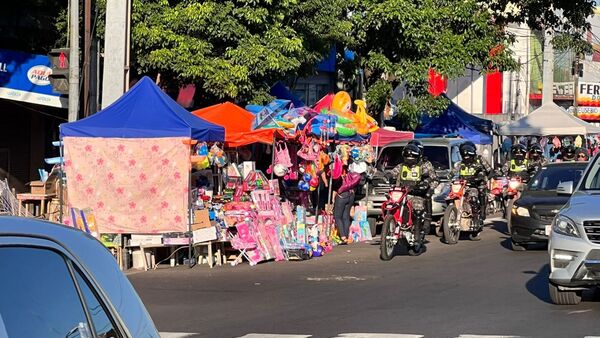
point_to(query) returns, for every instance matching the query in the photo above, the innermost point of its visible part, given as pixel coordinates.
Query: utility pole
(87, 49)
(576, 74)
(74, 61)
(548, 72)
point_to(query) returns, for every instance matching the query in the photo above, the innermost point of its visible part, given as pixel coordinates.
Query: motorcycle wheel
(450, 225)
(387, 246)
(508, 214)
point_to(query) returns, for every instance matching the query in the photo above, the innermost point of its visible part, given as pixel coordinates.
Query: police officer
(536, 159)
(567, 154)
(418, 176)
(475, 170)
(518, 164)
(427, 168)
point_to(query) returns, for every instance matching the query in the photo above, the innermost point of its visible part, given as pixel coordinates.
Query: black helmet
(568, 153)
(518, 152)
(536, 151)
(411, 154)
(468, 152)
(417, 143)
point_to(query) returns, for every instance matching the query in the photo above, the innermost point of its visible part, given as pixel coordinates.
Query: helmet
(468, 152)
(417, 143)
(568, 153)
(518, 152)
(582, 154)
(412, 154)
(536, 151)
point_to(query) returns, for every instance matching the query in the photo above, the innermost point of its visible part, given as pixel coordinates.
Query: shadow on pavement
(538, 284)
(500, 226)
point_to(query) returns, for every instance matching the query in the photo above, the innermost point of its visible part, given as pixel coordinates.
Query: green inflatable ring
(345, 131)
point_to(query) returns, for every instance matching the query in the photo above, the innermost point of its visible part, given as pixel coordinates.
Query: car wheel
(517, 247)
(561, 297)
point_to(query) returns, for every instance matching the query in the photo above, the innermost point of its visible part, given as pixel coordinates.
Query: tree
(235, 49)
(401, 40)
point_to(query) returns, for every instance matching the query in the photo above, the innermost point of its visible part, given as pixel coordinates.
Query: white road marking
(578, 311)
(378, 335)
(335, 278)
(265, 335)
(485, 336)
(175, 334)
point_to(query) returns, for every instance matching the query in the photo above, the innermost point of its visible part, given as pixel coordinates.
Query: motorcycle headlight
(514, 185)
(565, 226)
(521, 211)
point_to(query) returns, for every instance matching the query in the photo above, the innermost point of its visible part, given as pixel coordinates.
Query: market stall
(130, 162)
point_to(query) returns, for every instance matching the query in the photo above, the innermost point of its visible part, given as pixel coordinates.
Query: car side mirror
(565, 188)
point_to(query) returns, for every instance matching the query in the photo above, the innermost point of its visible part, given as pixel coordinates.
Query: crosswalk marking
(176, 334)
(263, 335)
(486, 336)
(367, 335)
(378, 335)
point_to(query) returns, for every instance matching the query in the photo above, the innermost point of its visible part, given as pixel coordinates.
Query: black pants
(341, 212)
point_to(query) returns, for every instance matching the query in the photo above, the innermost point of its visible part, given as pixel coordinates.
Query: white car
(574, 243)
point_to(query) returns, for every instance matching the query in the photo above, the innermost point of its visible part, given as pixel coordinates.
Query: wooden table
(31, 198)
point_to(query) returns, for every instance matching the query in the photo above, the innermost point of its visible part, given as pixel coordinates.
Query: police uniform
(471, 173)
(411, 176)
(512, 168)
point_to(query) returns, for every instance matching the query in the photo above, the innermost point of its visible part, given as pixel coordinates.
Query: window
(592, 179)
(39, 298)
(437, 155)
(102, 324)
(549, 178)
(455, 155)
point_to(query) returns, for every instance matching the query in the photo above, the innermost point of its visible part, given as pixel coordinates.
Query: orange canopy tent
(237, 123)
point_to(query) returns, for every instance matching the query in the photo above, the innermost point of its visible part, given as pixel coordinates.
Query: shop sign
(24, 77)
(588, 94)
(563, 90)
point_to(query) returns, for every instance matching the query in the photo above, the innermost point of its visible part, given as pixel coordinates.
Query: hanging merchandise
(310, 150)
(368, 153)
(202, 162)
(578, 141)
(338, 166)
(282, 155)
(217, 156)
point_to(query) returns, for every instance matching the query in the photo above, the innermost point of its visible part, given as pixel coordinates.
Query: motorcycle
(462, 213)
(497, 195)
(401, 223)
(513, 192)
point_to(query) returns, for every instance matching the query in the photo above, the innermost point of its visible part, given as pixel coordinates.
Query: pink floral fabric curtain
(131, 185)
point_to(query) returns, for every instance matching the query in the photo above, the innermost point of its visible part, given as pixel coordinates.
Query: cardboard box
(247, 167)
(43, 188)
(205, 235)
(201, 219)
(137, 240)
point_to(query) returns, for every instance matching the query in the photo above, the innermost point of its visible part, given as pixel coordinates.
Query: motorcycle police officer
(519, 164)
(536, 159)
(475, 170)
(419, 176)
(428, 171)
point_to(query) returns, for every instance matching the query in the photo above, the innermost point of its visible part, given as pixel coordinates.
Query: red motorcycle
(462, 213)
(513, 192)
(497, 200)
(399, 220)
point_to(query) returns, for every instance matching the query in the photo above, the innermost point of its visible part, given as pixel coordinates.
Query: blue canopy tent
(145, 111)
(280, 91)
(454, 120)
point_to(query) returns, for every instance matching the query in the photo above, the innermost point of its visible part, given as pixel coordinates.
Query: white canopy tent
(549, 119)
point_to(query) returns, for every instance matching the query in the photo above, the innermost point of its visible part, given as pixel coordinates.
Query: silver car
(59, 282)
(574, 243)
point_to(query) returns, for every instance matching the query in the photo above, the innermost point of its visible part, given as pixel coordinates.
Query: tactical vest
(467, 171)
(412, 174)
(517, 168)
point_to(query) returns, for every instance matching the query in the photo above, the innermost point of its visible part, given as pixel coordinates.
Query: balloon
(306, 177)
(318, 252)
(342, 103)
(314, 182)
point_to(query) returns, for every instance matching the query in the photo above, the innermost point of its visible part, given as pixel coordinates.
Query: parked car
(574, 244)
(443, 154)
(59, 282)
(539, 203)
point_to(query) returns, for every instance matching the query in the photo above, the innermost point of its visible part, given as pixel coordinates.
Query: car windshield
(548, 178)
(592, 178)
(392, 156)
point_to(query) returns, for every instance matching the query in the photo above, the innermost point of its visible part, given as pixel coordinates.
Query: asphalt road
(471, 288)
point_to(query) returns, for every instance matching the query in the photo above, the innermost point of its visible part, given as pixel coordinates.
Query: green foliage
(401, 40)
(235, 49)
(572, 42)
(559, 15)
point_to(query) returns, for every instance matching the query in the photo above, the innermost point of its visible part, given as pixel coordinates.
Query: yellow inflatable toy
(360, 122)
